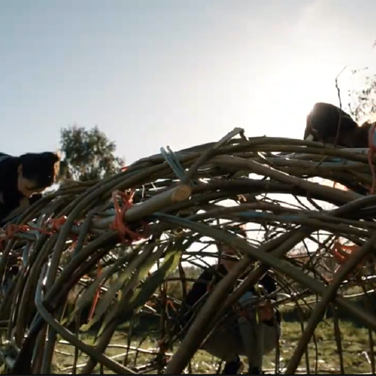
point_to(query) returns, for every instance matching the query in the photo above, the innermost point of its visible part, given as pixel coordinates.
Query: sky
(173, 72)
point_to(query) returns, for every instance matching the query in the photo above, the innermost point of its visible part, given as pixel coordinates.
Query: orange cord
(12, 229)
(342, 253)
(118, 223)
(96, 296)
(57, 223)
(371, 153)
(169, 302)
(122, 229)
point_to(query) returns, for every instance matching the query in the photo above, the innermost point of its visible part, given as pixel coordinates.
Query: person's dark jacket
(211, 277)
(10, 195)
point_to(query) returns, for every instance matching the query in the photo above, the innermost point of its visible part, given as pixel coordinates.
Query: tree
(87, 154)
(362, 99)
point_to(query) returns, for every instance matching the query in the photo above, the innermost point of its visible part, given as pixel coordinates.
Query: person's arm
(268, 283)
(199, 288)
(228, 258)
(6, 174)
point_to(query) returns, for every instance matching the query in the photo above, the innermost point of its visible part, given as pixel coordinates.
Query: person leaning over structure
(249, 330)
(329, 124)
(23, 179)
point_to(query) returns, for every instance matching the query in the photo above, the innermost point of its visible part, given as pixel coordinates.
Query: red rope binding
(96, 296)
(342, 253)
(118, 224)
(12, 229)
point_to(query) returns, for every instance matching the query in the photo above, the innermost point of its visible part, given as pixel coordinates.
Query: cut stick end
(181, 193)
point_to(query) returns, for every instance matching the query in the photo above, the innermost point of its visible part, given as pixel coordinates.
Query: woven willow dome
(87, 270)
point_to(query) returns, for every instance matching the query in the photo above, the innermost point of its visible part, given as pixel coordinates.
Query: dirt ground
(355, 343)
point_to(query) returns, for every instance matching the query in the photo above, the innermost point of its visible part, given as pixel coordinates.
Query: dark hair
(323, 121)
(41, 168)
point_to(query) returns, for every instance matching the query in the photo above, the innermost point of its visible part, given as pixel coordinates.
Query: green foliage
(88, 154)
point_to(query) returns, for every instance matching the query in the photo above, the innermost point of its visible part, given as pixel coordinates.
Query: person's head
(228, 254)
(322, 125)
(37, 171)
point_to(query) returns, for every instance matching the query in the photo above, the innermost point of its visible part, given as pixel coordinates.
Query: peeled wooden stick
(158, 202)
(135, 213)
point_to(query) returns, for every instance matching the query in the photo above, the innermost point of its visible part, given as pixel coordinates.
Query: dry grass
(355, 342)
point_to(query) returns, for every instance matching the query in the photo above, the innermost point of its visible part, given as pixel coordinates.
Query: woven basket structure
(83, 268)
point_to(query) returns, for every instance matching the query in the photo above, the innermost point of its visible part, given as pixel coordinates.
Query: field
(355, 343)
